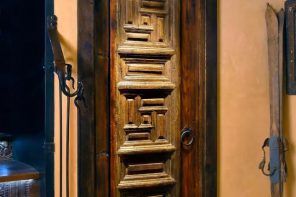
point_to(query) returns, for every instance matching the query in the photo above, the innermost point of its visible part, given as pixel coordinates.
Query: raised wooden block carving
(145, 78)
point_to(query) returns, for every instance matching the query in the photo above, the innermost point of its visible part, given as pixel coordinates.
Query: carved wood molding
(199, 34)
(146, 89)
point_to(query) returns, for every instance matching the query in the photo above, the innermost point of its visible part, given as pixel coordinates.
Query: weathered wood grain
(199, 96)
(102, 76)
(86, 118)
(11, 170)
(145, 94)
(193, 111)
(18, 179)
(139, 151)
(275, 25)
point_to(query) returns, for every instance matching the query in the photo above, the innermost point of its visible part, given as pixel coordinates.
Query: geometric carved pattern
(147, 97)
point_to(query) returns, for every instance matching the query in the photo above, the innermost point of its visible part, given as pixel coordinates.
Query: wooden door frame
(199, 17)
(49, 185)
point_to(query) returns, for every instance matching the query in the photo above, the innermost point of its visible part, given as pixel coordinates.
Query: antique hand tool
(276, 142)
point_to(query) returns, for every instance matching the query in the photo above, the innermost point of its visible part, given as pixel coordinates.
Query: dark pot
(5, 146)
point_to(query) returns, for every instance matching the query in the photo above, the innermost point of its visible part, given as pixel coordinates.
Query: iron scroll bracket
(61, 68)
(66, 80)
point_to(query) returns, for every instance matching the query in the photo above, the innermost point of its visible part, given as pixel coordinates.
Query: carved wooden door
(145, 98)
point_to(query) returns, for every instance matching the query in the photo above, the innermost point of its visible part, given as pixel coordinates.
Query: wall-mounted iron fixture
(290, 9)
(61, 68)
(64, 73)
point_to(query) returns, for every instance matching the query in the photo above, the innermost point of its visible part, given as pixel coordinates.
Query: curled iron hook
(64, 73)
(63, 78)
(61, 68)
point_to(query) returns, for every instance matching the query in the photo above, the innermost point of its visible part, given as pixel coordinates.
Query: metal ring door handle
(187, 137)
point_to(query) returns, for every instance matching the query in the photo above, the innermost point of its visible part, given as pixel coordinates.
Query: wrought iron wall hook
(61, 68)
(64, 73)
(80, 96)
(69, 75)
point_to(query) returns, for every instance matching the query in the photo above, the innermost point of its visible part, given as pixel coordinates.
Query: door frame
(49, 185)
(93, 70)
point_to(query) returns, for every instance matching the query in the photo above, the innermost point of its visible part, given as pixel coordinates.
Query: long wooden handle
(275, 25)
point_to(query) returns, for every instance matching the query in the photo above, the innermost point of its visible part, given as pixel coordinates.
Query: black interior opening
(22, 78)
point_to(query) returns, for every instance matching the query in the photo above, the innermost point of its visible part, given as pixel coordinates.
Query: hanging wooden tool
(276, 142)
(64, 73)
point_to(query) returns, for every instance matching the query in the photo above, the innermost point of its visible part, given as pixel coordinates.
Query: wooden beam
(199, 74)
(86, 122)
(210, 151)
(49, 107)
(102, 96)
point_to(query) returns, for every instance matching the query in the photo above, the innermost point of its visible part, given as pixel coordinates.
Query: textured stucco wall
(243, 97)
(66, 11)
(244, 100)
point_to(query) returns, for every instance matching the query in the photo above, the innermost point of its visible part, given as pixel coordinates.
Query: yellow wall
(66, 11)
(244, 100)
(243, 97)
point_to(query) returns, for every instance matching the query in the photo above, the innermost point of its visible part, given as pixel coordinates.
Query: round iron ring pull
(187, 137)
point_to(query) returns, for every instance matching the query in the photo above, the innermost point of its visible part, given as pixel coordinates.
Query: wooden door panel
(145, 110)
(145, 98)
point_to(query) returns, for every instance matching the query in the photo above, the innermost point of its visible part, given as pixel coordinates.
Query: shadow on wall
(289, 189)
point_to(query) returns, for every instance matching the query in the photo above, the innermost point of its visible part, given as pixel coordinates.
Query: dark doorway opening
(22, 81)
(22, 76)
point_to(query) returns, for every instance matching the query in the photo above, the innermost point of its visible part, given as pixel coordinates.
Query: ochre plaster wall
(244, 100)
(66, 11)
(243, 97)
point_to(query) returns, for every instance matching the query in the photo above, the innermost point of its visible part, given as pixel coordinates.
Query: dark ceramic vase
(5, 146)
